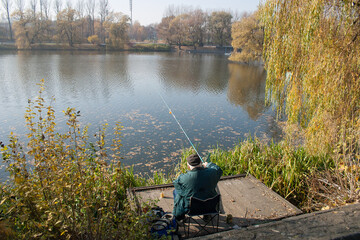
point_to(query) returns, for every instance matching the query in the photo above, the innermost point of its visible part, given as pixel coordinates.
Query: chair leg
(188, 230)
(201, 226)
(184, 222)
(212, 223)
(215, 220)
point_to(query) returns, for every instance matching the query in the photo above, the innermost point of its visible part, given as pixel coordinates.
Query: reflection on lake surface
(247, 88)
(216, 102)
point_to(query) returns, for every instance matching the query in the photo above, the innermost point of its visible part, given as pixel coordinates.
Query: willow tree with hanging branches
(312, 58)
(311, 52)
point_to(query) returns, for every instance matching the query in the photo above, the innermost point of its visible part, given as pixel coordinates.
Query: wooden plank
(247, 195)
(234, 199)
(273, 195)
(249, 198)
(226, 198)
(138, 189)
(166, 202)
(244, 197)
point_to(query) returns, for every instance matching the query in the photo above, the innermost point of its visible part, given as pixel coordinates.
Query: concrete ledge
(337, 223)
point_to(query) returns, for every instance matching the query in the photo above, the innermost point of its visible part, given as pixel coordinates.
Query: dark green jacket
(199, 182)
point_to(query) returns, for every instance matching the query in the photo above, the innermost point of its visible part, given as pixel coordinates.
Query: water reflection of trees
(66, 74)
(247, 88)
(96, 76)
(195, 73)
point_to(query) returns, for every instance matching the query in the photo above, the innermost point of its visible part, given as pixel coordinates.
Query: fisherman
(200, 182)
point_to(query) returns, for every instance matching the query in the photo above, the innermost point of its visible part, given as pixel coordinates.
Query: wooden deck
(243, 197)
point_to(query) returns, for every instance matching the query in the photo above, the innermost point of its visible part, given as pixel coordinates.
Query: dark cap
(193, 160)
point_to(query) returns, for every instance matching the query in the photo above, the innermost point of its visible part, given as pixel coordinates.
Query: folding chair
(198, 208)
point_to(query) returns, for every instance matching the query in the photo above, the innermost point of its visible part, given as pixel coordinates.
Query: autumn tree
(173, 26)
(173, 10)
(94, 39)
(185, 27)
(138, 32)
(164, 30)
(195, 27)
(220, 27)
(69, 4)
(29, 28)
(79, 7)
(68, 26)
(45, 9)
(20, 4)
(7, 7)
(57, 6)
(118, 28)
(90, 11)
(103, 12)
(33, 7)
(177, 28)
(247, 39)
(150, 32)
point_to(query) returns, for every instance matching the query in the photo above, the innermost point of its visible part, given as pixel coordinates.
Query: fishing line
(180, 127)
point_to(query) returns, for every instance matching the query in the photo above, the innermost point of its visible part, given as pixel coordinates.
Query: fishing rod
(181, 127)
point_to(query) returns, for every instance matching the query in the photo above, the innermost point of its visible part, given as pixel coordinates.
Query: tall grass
(281, 167)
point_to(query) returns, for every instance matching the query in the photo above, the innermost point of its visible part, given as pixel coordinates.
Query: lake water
(218, 103)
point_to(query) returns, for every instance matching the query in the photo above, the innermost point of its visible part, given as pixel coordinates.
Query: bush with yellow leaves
(63, 187)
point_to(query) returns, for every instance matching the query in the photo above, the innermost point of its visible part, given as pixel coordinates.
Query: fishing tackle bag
(164, 226)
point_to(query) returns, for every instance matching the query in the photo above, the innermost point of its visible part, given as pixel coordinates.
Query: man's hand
(205, 164)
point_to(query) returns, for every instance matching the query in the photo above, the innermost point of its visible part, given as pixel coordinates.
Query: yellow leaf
(342, 167)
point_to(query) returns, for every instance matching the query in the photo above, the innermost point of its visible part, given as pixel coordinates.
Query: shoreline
(148, 47)
(141, 47)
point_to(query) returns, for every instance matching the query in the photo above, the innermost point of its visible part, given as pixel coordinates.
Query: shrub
(64, 187)
(93, 39)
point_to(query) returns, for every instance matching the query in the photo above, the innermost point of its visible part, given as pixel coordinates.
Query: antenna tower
(130, 1)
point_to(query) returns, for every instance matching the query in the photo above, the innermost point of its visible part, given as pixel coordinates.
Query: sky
(151, 11)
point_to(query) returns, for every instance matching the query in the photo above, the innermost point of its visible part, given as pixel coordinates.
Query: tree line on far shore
(72, 23)
(33, 22)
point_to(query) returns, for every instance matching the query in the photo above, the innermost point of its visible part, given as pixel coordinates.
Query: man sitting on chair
(200, 182)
